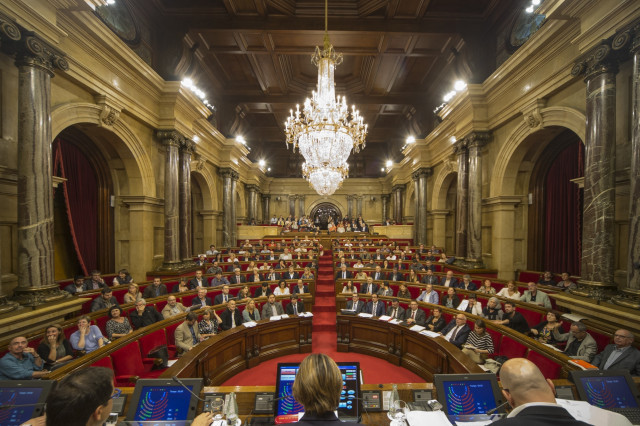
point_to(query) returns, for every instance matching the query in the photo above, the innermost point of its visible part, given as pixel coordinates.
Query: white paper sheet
(428, 418)
(417, 328)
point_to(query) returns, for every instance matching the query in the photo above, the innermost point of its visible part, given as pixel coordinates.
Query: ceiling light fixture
(325, 131)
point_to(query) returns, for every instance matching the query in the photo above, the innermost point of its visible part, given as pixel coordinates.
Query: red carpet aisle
(374, 370)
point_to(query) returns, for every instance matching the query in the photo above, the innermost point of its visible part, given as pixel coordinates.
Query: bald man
(532, 398)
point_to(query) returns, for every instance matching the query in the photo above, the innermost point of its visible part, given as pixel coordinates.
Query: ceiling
(253, 59)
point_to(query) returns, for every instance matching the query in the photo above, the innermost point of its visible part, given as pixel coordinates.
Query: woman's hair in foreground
(78, 395)
(318, 384)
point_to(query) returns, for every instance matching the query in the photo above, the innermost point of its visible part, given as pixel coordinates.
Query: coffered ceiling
(400, 57)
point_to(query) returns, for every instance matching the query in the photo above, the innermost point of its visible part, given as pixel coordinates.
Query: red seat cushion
(549, 368)
(602, 340)
(496, 336)
(103, 362)
(511, 349)
(128, 365)
(532, 317)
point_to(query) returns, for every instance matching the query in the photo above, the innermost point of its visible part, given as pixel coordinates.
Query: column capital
(30, 50)
(423, 171)
(385, 197)
(398, 187)
(188, 146)
(477, 139)
(599, 60)
(460, 147)
(252, 188)
(170, 138)
(228, 173)
(9, 30)
(627, 39)
(266, 196)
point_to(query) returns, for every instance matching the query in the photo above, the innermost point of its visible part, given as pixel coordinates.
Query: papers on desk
(573, 317)
(394, 321)
(275, 317)
(171, 362)
(552, 347)
(384, 318)
(250, 324)
(365, 315)
(429, 333)
(427, 418)
(305, 314)
(463, 306)
(417, 328)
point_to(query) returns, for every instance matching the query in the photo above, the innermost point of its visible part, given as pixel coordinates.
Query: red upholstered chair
(170, 335)
(496, 336)
(152, 341)
(119, 294)
(532, 317)
(549, 368)
(101, 322)
(602, 340)
(161, 304)
(186, 300)
(129, 366)
(447, 317)
(511, 349)
(103, 362)
(86, 306)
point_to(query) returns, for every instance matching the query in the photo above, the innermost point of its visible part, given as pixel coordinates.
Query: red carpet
(374, 370)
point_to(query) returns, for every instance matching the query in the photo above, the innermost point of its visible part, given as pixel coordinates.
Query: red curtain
(81, 200)
(563, 204)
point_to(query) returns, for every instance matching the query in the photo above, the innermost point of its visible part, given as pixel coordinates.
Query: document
(463, 306)
(384, 318)
(365, 315)
(427, 418)
(417, 328)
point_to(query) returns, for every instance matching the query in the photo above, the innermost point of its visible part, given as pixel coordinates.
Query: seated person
(543, 332)
(255, 276)
(493, 310)
(182, 286)
(547, 279)
(361, 275)
(378, 275)
(272, 308)
(77, 286)
(343, 273)
(262, 291)
(395, 275)
(449, 280)
(473, 307)
(375, 307)
(95, 282)
(250, 312)
(282, 289)
(619, 355)
(395, 311)
(223, 297)
(486, 288)
(272, 275)
(510, 291)
(533, 295)
(403, 292)
(209, 324)
(88, 338)
(219, 280)
(451, 300)
(296, 306)
(144, 315)
(429, 295)
(21, 362)
(457, 331)
(123, 278)
(117, 326)
(54, 349)
(300, 288)
(133, 294)
(385, 290)
(212, 250)
(197, 281)
(237, 277)
(466, 283)
(566, 284)
(156, 289)
(104, 301)
(355, 304)
(429, 278)
(479, 344)
(580, 344)
(187, 334)
(513, 319)
(349, 287)
(370, 287)
(202, 301)
(415, 315)
(231, 317)
(172, 308)
(436, 321)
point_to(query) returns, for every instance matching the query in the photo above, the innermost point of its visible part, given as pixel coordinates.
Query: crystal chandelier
(325, 131)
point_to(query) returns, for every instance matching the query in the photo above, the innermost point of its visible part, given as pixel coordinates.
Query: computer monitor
(606, 388)
(466, 394)
(21, 400)
(164, 400)
(349, 406)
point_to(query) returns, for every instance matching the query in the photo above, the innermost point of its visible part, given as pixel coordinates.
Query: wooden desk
(398, 345)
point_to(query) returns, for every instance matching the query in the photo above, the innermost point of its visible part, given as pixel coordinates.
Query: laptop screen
(163, 399)
(465, 394)
(348, 405)
(22, 400)
(606, 389)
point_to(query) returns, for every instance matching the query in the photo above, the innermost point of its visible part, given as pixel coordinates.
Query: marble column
(234, 221)
(439, 228)
(504, 245)
(462, 198)
(228, 202)
(415, 177)
(292, 205)
(475, 142)
(184, 184)
(633, 256)
(385, 206)
(359, 199)
(350, 206)
(421, 176)
(397, 202)
(252, 202)
(597, 261)
(172, 141)
(266, 214)
(36, 62)
(300, 205)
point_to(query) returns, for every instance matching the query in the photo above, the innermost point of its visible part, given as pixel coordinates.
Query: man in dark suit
(457, 330)
(223, 297)
(290, 274)
(202, 300)
(375, 307)
(355, 304)
(429, 278)
(395, 275)
(395, 310)
(301, 288)
(343, 273)
(620, 355)
(262, 291)
(296, 306)
(237, 277)
(105, 301)
(533, 399)
(466, 283)
(272, 275)
(369, 287)
(231, 317)
(415, 315)
(156, 289)
(144, 315)
(95, 282)
(77, 286)
(378, 275)
(449, 280)
(197, 281)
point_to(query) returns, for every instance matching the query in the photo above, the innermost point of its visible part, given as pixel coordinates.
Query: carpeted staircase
(324, 307)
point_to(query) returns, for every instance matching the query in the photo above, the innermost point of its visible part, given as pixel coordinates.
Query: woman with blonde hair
(133, 295)
(317, 387)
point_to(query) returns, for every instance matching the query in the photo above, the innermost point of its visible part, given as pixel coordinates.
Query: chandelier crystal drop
(325, 131)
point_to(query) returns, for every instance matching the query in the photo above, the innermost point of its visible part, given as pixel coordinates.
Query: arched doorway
(323, 212)
(83, 216)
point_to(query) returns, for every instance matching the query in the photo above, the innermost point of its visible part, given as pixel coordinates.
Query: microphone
(493, 410)
(178, 381)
